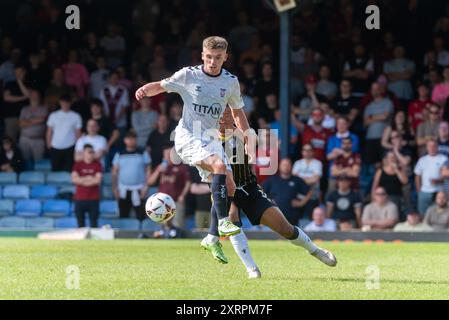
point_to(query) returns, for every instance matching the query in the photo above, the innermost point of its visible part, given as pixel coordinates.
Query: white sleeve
(295, 170)
(50, 121)
(79, 145)
(318, 169)
(175, 83)
(418, 168)
(235, 100)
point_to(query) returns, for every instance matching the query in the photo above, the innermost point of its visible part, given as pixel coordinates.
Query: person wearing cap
(63, 130)
(412, 224)
(130, 171)
(344, 205)
(303, 108)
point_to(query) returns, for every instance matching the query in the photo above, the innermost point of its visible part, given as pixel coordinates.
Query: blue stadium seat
(43, 165)
(8, 178)
(67, 189)
(6, 207)
(109, 209)
(40, 223)
(32, 178)
(150, 225)
(12, 222)
(106, 193)
(128, 224)
(59, 178)
(28, 208)
(43, 192)
(190, 223)
(56, 208)
(107, 179)
(246, 224)
(16, 191)
(1, 192)
(114, 223)
(66, 223)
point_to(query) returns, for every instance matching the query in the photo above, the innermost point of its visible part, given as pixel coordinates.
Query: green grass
(179, 269)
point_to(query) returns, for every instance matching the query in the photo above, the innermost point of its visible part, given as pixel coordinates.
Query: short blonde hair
(215, 42)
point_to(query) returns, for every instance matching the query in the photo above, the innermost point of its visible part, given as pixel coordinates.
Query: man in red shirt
(174, 180)
(316, 135)
(87, 176)
(417, 107)
(347, 164)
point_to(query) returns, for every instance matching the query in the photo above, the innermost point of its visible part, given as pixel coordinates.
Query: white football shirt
(205, 97)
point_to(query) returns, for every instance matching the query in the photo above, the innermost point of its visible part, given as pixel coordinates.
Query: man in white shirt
(63, 129)
(116, 102)
(320, 223)
(311, 171)
(428, 179)
(99, 143)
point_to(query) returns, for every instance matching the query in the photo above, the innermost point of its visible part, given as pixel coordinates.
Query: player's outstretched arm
(149, 90)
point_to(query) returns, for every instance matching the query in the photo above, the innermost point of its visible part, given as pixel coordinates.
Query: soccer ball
(160, 207)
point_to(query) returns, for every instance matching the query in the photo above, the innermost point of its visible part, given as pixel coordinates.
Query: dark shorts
(253, 201)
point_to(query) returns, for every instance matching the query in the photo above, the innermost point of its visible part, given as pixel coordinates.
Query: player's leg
(212, 241)
(240, 244)
(275, 220)
(222, 187)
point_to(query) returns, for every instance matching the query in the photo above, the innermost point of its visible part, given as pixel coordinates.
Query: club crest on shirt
(222, 92)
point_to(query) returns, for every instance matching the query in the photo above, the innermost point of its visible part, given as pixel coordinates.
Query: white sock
(304, 241)
(240, 244)
(210, 238)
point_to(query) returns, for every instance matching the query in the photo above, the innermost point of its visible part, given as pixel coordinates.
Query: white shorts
(193, 150)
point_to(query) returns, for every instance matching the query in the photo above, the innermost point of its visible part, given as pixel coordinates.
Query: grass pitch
(179, 269)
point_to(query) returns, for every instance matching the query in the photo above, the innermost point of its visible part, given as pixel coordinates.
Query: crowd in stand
(369, 138)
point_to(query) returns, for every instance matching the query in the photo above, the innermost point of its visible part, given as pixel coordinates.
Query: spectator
(401, 126)
(38, 73)
(106, 128)
(87, 176)
(63, 129)
(392, 177)
(437, 216)
(334, 144)
(92, 138)
(247, 100)
(329, 121)
(265, 85)
(248, 77)
(412, 224)
(347, 164)
(428, 177)
(310, 170)
(325, 86)
(276, 125)
(130, 173)
(346, 105)
(10, 157)
(240, 34)
(144, 121)
(441, 53)
(381, 213)
(116, 102)
(114, 46)
(344, 205)
(290, 193)
(7, 68)
(376, 117)
(98, 78)
(310, 100)
(15, 97)
(428, 130)
(399, 71)
(144, 51)
(268, 154)
(32, 130)
(441, 91)
(56, 90)
(443, 138)
(75, 74)
(359, 70)
(174, 180)
(314, 134)
(157, 69)
(417, 108)
(157, 139)
(320, 222)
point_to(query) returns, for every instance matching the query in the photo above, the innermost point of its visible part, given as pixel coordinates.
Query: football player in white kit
(206, 90)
